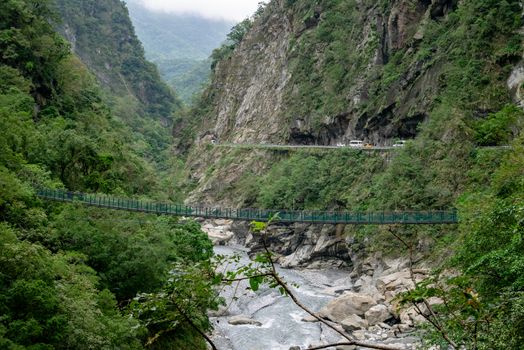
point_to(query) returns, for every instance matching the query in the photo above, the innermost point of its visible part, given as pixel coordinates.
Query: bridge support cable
(428, 217)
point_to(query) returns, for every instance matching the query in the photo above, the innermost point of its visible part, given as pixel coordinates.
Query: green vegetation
(466, 54)
(483, 306)
(187, 76)
(179, 45)
(67, 274)
(74, 277)
(499, 128)
(102, 35)
(234, 38)
(314, 181)
(472, 49)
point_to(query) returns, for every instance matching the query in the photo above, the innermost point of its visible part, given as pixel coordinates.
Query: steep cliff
(321, 72)
(102, 35)
(324, 72)
(446, 75)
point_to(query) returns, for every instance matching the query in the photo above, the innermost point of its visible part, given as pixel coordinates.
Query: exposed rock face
(301, 245)
(256, 94)
(248, 87)
(377, 314)
(392, 281)
(516, 84)
(218, 231)
(353, 322)
(252, 89)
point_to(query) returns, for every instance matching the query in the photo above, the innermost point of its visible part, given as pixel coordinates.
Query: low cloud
(235, 10)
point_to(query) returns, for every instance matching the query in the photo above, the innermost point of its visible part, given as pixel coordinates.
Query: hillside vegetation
(69, 276)
(179, 44)
(102, 35)
(90, 114)
(432, 72)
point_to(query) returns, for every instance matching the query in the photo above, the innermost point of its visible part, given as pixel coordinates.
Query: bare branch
(247, 277)
(194, 326)
(357, 343)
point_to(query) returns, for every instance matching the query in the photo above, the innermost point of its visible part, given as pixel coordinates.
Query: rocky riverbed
(359, 299)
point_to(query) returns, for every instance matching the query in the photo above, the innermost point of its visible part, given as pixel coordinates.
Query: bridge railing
(248, 214)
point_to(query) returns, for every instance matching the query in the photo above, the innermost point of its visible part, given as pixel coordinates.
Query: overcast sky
(235, 10)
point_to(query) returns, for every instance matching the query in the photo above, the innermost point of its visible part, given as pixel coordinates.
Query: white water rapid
(281, 320)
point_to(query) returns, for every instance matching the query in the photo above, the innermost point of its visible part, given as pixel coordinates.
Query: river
(281, 320)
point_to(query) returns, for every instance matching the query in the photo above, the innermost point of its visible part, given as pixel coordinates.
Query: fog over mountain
(179, 44)
(234, 10)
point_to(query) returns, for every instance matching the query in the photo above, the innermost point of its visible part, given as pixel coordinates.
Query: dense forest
(102, 36)
(70, 276)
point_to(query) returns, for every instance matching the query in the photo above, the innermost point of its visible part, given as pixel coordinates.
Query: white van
(356, 143)
(399, 143)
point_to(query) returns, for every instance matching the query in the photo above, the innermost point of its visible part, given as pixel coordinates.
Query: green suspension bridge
(286, 216)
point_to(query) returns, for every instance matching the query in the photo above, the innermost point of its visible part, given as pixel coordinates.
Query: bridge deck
(287, 216)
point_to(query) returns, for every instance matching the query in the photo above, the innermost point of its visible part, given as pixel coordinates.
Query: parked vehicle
(356, 143)
(399, 143)
(340, 144)
(369, 145)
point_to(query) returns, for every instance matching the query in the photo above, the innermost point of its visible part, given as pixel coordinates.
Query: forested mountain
(179, 44)
(68, 275)
(445, 75)
(102, 35)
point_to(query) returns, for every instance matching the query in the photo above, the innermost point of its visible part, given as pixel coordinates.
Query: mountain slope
(67, 271)
(102, 35)
(328, 72)
(445, 75)
(179, 44)
(173, 36)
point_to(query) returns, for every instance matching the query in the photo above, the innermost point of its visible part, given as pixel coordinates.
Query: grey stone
(384, 325)
(393, 281)
(353, 322)
(376, 314)
(348, 304)
(243, 320)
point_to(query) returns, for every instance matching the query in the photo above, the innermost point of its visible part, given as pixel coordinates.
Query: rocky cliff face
(326, 72)
(249, 86)
(259, 93)
(313, 73)
(102, 35)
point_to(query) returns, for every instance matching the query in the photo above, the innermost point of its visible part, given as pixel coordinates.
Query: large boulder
(411, 317)
(243, 320)
(366, 285)
(377, 314)
(348, 304)
(353, 322)
(218, 231)
(397, 280)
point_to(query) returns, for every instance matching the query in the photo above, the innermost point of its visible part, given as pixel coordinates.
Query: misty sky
(235, 10)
